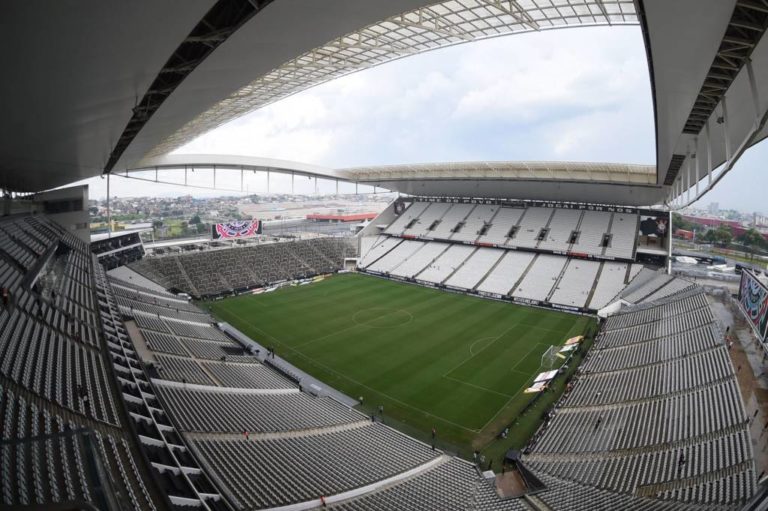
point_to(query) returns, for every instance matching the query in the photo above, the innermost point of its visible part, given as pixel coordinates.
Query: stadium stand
(475, 222)
(419, 260)
(559, 276)
(216, 272)
(500, 225)
(540, 277)
(504, 276)
(602, 234)
(563, 224)
(446, 264)
(302, 467)
(531, 226)
(576, 283)
(655, 410)
(660, 362)
(474, 268)
(118, 250)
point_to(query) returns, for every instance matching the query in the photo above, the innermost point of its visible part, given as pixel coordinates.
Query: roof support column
(696, 157)
(709, 155)
(754, 91)
(109, 211)
(725, 130)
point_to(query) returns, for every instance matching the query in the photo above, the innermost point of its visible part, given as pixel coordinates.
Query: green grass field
(431, 358)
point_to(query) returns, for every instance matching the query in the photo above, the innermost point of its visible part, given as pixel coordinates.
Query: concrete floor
(751, 365)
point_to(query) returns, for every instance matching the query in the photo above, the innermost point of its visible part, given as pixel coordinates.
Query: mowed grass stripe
(430, 357)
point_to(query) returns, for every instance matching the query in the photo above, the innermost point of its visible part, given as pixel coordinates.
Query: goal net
(549, 359)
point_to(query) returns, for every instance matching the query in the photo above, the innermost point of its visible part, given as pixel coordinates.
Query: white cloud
(532, 96)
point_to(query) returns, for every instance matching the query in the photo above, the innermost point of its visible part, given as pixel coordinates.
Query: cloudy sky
(579, 95)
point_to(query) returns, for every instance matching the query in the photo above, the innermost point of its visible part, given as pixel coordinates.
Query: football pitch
(431, 358)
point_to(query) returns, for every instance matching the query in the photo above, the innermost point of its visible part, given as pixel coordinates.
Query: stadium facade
(117, 392)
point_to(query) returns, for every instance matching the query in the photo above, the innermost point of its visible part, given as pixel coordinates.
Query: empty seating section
(561, 228)
(500, 225)
(594, 225)
(686, 343)
(651, 380)
(576, 284)
(58, 408)
(624, 227)
(428, 218)
(603, 234)
(382, 245)
(657, 329)
(54, 366)
(648, 313)
(420, 259)
(148, 296)
(396, 256)
(643, 291)
(450, 486)
(197, 331)
(411, 213)
(50, 463)
(451, 220)
(541, 277)
(165, 343)
(655, 410)
(673, 287)
(130, 306)
(181, 369)
(214, 272)
(610, 284)
(502, 279)
(444, 266)
(262, 473)
(475, 268)
(215, 350)
(213, 409)
(147, 322)
(530, 226)
(251, 376)
(480, 216)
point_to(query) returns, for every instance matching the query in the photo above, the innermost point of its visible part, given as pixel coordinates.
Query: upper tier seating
(604, 234)
(530, 227)
(59, 405)
(479, 217)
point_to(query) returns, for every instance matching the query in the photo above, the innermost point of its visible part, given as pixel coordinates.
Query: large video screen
(654, 225)
(753, 298)
(236, 229)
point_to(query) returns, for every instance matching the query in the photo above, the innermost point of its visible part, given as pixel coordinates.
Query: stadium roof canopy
(101, 86)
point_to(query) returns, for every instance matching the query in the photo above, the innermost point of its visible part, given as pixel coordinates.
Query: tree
(752, 239)
(157, 224)
(722, 235)
(195, 220)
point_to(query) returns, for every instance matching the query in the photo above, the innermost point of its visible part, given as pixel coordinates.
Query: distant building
(714, 208)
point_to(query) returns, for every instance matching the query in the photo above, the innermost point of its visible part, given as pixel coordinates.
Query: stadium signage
(753, 302)
(541, 204)
(237, 229)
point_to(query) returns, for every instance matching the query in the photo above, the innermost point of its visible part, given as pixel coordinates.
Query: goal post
(550, 359)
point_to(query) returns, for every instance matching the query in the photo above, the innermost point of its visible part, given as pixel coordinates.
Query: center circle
(382, 317)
